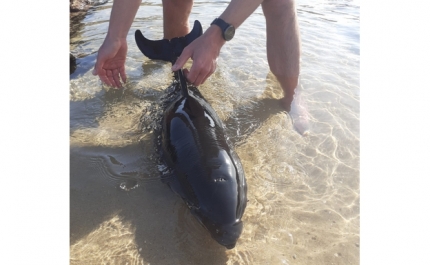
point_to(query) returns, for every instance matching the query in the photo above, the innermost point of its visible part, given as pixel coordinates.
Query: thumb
(181, 60)
(99, 63)
(94, 72)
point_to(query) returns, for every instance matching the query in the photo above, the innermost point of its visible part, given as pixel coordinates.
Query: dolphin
(207, 172)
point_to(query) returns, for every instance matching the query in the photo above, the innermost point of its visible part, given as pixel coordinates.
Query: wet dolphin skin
(208, 174)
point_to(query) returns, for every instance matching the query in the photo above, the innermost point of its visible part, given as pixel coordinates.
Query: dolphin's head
(222, 204)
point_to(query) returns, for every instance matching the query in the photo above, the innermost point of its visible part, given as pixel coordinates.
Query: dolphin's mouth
(226, 235)
(228, 241)
(230, 246)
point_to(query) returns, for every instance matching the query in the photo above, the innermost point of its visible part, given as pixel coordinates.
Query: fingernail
(174, 67)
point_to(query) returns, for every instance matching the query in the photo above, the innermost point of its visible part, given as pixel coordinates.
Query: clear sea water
(303, 191)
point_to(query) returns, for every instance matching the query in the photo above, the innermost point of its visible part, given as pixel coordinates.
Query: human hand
(110, 64)
(204, 52)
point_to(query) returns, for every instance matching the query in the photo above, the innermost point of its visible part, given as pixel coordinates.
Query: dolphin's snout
(227, 235)
(230, 246)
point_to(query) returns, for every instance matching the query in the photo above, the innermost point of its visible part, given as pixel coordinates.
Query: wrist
(115, 38)
(215, 34)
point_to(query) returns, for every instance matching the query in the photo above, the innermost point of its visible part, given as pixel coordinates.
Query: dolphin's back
(208, 173)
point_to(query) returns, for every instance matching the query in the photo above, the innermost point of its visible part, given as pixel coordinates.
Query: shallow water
(303, 191)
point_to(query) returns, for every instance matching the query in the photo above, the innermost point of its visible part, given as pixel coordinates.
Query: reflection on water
(303, 191)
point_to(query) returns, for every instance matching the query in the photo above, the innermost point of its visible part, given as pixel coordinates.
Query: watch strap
(220, 23)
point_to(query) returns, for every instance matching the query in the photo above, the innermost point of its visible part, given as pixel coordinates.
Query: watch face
(229, 33)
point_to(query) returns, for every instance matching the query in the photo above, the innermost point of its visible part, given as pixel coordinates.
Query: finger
(193, 73)
(190, 78)
(122, 73)
(105, 80)
(109, 75)
(199, 80)
(115, 73)
(185, 55)
(98, 67)
(103, 77)
(94, 72)
(204, 72)
(210, 73)
(206, 77)
(185, 71)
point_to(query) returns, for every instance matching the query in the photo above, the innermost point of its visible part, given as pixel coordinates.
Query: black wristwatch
(227, 29)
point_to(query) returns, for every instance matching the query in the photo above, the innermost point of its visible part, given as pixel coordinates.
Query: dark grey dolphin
(208, 174)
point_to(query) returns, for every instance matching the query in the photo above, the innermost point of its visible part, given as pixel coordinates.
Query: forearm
(122, 16)
(239, 10)
(235, 14)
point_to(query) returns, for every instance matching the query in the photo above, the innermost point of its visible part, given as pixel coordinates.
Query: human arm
(110, 63)
(205, 50)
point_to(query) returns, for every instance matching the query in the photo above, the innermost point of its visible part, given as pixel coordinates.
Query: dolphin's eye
(219, 180)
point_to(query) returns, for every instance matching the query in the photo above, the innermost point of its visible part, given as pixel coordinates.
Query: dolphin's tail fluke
(166, 50)
(169, 50)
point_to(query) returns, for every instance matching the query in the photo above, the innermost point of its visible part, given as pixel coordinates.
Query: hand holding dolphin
(204, 52)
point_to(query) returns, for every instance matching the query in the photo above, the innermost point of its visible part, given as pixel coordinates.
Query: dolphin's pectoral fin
(166, 178)
(172, 181)
(166, 50)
